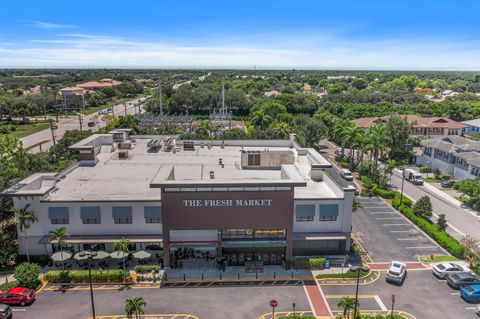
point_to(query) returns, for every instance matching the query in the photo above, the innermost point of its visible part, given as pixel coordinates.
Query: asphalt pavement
(461, 221)
(72, 122)
(387, 235)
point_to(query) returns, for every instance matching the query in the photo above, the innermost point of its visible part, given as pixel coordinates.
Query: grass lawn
(432, 180)
(23, 130)
(436, 259)
(347, 274)
(95, 109)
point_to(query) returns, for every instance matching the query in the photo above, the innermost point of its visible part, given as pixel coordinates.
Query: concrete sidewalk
(234, 273)
(4, 279)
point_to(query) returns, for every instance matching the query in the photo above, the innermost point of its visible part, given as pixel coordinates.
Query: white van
(346, 175)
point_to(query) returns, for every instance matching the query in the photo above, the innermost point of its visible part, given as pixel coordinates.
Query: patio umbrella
(81, 255)
(119, 254)
(101, 255)
(61, 256)
(141, 254)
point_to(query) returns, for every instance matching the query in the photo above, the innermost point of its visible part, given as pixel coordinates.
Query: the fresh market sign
(226, 202)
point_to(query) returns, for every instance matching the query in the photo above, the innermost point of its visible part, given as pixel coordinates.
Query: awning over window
(93, 239)
(152, 212)
(253, 243)
(328, 210)
(122, 212)
(305, 210)
(58, 212)
(90, 212)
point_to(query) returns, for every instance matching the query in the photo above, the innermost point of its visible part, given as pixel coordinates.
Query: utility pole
(80, 121)
(53, 134)
(44, 110)
(125, 108)
(160, 97)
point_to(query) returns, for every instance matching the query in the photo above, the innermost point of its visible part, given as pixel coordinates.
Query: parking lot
(422, 295)
(204, 303)
(387, 235)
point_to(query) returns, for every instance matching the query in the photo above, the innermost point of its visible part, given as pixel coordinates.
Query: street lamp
(401, 192)
(90, 255)
(294, 315)
(357, 269)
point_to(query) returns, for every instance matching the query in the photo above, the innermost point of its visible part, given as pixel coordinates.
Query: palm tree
(135, 307)
(261, 119)
(123, 245)
(377, 138)
(280, 130)
(389, 167)
(25, 219)
(60, 234)
(339, 132)
(347, 304)
(352, 137)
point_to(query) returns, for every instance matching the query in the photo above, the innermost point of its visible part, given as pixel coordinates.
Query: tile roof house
(96, 85)
(454, 155)
(421, 126)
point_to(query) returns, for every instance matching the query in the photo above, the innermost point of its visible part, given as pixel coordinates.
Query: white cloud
(85, 51)
(50, 26)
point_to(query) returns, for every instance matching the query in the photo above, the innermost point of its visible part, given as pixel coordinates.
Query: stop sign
(273, 303)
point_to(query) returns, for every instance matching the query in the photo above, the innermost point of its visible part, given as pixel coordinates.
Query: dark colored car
(18, 296)
(5, 312)
(448, 184)
(462, 279)
(91, 124)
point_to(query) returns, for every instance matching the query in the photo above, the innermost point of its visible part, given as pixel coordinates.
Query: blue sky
(361, 34)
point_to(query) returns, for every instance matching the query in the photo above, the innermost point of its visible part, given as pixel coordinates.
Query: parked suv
(443, 270)
(18, 296)
(347, 175)
(462, 279)
(5, 312)
(396, 272)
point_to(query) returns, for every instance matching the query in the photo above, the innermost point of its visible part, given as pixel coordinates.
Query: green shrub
(345, 164)
(445, 177)
(8, 285)
(26, 275)
(384, 193)
(425, 169)
(81, 276)
(142, 269)
(452, 245)
(476, 269)
(405, 201)
(309, 263)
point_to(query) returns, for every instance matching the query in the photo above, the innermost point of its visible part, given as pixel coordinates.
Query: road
(461, 222)
(72, 123)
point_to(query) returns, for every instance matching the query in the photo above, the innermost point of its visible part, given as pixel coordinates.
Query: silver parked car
(396, 272)
(443, 270)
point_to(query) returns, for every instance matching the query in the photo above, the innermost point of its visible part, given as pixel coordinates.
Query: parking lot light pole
(357, 269)
(293, 306)
(393, 303)
(90, 255)
(401, 192)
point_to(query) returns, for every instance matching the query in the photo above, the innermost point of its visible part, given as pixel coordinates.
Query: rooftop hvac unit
(122, 155)
(212, 175)
(188, 146)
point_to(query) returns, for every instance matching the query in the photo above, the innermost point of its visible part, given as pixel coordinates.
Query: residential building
(421, 126)
(473, 127)
(245, 200)
(454, 155)
(97, 85)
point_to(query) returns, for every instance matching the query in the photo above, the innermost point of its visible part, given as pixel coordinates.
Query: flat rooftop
(140, 176)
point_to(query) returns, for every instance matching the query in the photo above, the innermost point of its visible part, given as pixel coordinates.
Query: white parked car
(346, 174)
(396, 272)
(443, 270)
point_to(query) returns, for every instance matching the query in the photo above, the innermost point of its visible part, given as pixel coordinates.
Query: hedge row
(308, 263)
(81, 276)
(143, 269)
(405, 201)
(443, 239)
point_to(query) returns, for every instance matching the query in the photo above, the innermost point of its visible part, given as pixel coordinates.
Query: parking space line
(410, 238)
(396, 224)
(18, 309)
(381, 218)
(422, 247)
(380, 303)
(455, 293)
(374, 213)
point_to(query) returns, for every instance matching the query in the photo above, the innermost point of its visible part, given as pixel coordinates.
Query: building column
(166, 249)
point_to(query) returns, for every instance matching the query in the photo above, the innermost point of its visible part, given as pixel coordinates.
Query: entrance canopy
(79, 239)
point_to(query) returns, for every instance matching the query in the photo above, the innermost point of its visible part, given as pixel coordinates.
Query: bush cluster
(452, 245)
(81, 276)
(309, 263)
(405, 201)
(6, 129)
(425, 169)
(26, 275)
(142, 269)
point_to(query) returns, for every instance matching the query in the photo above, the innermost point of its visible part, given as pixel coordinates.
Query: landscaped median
(344, 276)
(81, 276)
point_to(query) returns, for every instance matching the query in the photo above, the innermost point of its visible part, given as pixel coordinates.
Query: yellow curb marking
(376, 276)
(156, 316)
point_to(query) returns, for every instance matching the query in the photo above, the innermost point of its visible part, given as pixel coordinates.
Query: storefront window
(94, 247)
(153, 246)
(253, 234)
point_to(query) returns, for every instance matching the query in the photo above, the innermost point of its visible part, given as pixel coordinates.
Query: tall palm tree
(347, 304)
(123, 245)
(352, 137)
(25, 219)
(280, 130)
(339, 132)
(135, 307)
(377, 138)
(261, 119)
(60, 234)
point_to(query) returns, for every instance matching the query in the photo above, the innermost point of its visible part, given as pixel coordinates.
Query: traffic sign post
(273, 304)
(393, 303)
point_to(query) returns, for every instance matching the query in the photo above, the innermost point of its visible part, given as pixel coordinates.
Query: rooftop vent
(122, 155)
(223, 144)
(212, 175)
